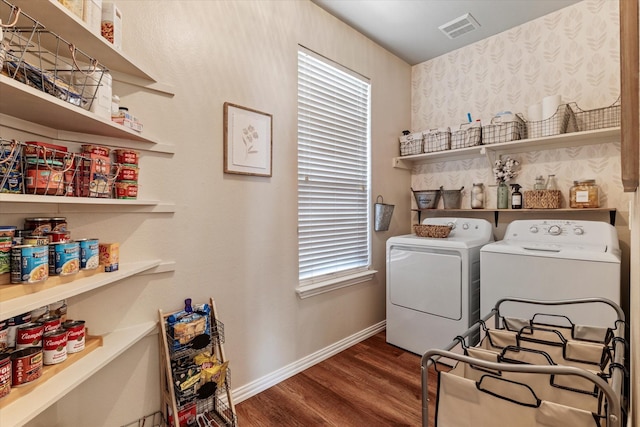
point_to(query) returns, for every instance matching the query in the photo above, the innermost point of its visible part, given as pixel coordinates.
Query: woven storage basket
(438, 231)
(542, 199)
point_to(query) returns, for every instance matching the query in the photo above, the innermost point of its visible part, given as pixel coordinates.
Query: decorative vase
(503, 196)
(477, 196)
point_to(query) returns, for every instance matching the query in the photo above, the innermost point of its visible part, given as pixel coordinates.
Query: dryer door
(426, 280)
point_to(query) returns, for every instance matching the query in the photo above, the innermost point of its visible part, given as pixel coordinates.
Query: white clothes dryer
(553, 260)
(433, 284)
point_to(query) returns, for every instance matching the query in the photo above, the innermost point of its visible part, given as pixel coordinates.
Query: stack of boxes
(127, 179)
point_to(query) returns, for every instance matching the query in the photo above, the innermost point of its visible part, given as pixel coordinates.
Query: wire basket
(562, 121)
(436, 231)
(467, 136)
(437, 140)
(43, 60)
(411, 144)
(542, 199)
(599, 118)
(504, 131)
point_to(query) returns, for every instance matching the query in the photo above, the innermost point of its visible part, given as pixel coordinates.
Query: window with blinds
(333, 170)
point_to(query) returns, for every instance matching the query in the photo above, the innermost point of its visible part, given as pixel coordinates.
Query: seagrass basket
(542, 199)
(437, 231)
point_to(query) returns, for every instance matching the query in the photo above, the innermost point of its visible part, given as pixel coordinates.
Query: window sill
(313, 289)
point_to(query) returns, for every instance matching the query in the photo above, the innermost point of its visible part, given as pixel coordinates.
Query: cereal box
(109, 256)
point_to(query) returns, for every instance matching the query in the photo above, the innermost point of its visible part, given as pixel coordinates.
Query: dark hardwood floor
(370, 384)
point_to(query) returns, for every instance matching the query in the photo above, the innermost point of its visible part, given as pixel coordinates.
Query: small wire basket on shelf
(437, 140)
(41, 59)
(411, 144)
(562, 121)
(503, 130)
(48, 169)
(467, 136)
(598, 118)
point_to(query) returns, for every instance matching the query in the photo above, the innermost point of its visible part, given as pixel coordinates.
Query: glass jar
(584, 194)
(477, 196)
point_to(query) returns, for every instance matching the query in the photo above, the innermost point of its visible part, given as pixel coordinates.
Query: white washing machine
(433, 284)
(553, 260)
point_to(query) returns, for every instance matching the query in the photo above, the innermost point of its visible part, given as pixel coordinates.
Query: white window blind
(333, 170)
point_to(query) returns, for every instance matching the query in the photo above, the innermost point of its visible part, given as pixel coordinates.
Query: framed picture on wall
(247, 141)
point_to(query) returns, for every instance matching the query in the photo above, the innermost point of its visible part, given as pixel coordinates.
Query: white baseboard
(251, 389)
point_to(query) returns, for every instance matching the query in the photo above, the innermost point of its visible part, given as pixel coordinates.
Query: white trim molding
(317, 288)
(248, 390)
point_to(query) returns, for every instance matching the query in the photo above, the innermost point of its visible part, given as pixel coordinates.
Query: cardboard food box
(109, 256)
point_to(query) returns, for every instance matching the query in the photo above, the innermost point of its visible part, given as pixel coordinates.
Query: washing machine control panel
(559, 231)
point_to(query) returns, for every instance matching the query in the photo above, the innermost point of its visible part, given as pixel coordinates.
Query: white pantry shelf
(48, 392)
(17, 203)
(564, 140)
(16, 299)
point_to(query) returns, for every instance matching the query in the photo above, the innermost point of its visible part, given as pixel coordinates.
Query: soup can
(89, 254)
(54, 346)
(5, 253)
(26, 365)
(38, 225)
(58, 236)
(51, 323)
(13, 324)
(75, 335)
(18, 237)
(35, 240)
(58, 224)
(39, 313)
(5, 374)
(59, 308)
(4, 335)
(29, 335)
(29, 264)
(64, 258)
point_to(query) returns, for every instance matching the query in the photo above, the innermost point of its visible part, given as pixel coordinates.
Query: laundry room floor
(370, 384)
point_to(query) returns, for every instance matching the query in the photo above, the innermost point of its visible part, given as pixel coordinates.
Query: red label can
(75, 335)
(5, 374)
(54, 346)
(29, 335)
(51, 323)
(58, 236)
(26, 365)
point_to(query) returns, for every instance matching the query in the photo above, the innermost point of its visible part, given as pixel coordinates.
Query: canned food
(5, 254)
(45, 177)
(29, 264)
(64, 258)
(58, 236)
(54, 345)
(13, 323)
(127, 156)
(36, 240)
(7, 230)
(96, 149)
(59, 308)
(4, 335)
(58, 224)
(128, 173)
(126, 190)
(26, 365)
(18, 237)
(5, 374)
(89, 253)
(51, 323)
(38, 225)
(75, 335)
(39, 313)
(29, 335)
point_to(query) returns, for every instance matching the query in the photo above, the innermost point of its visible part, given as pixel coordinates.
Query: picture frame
(248, 147)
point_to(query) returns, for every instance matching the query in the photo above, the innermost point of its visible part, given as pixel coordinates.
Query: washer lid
(584, 252)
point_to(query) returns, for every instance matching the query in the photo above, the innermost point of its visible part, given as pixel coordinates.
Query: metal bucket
(452, 198)
(383, 214)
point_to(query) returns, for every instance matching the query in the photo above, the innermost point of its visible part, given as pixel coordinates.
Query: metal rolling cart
(194, 373)
(535, 372)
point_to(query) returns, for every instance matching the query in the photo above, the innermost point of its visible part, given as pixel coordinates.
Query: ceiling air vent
(459, 26)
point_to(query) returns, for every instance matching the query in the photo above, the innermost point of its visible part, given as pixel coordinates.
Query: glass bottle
(477, 196)
(503, 196)
(551, 183)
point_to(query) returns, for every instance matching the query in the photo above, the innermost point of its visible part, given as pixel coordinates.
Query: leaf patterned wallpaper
(573, 52)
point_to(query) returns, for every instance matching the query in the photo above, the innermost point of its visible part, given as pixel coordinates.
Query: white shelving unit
(573, 139)
(25, 109)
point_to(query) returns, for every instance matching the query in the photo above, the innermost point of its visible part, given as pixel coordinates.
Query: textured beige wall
(233, 237)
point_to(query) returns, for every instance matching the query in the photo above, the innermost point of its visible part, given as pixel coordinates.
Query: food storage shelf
(24, 409)
(16, 299)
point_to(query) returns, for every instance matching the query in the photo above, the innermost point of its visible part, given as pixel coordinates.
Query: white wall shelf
(17, 203)
(48, 392)
(32, 105)
(16, 299)
(73, 29)
(574, 139)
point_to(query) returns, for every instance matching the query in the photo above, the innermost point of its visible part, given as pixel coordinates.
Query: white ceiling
(409, 28)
